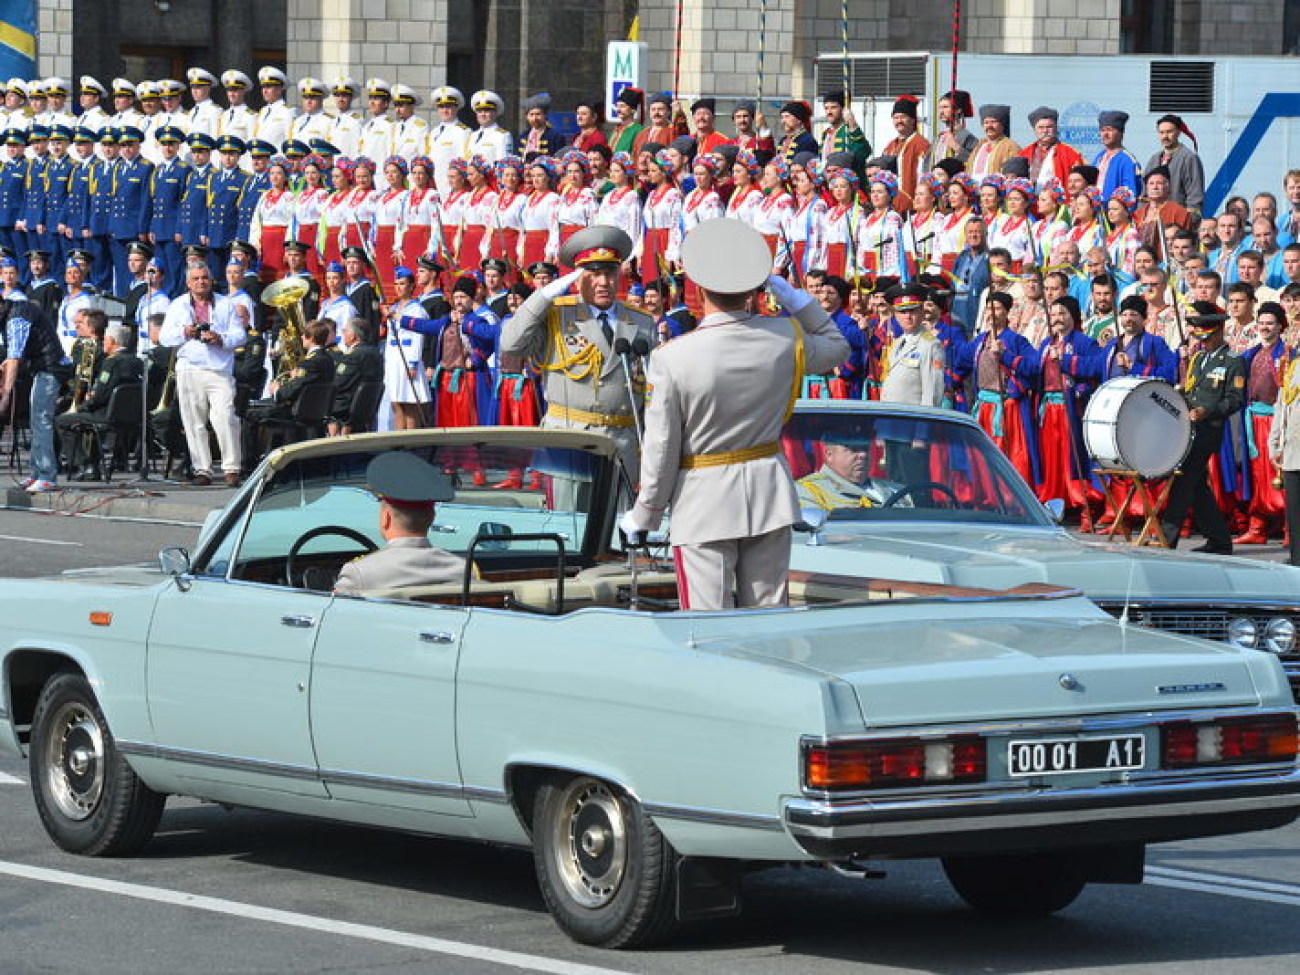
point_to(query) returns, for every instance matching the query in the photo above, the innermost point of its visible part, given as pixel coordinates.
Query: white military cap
(486, 99)
(170, 88)
(200, 76)
(18, 86)
(58, 86)
(236, 80)
(405, 95)
(310, 87)
(92, 86)
(272, 76)
(447, 95)
(343, 85)
(378, 88)
(726, 255)
(147, 89)
(123, 86)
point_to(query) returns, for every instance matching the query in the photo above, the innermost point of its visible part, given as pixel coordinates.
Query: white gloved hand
(560, 286)
(788, 296)
(631, 528)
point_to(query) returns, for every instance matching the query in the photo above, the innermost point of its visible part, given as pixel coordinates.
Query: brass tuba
(169, 384)
(83, 376)
(286, 296)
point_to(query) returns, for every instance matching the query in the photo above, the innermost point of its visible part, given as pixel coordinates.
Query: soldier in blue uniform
(192, 216)
(259, 181)
(58, 170)
(74, 227)
(166, 188)
(32, 220)
(13, 182)
(100, 203)
(130, 210)
(223, 202)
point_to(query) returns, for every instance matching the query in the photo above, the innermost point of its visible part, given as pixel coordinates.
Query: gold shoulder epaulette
(565, 301)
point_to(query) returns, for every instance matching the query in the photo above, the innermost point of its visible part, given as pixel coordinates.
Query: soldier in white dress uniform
(238, 119)
(410, 132)
(377, 130)
(274, 117)
(449, 138)
(311, 122)
(489, 140)
(92, 93)
(345, 124)
(716, 400)
(205, 115)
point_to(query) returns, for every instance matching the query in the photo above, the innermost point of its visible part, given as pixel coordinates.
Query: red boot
(480, 479)
(1255, 534)
(512, 482)
(535, 481)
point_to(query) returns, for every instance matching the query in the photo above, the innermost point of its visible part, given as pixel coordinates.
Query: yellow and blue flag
(17, 39)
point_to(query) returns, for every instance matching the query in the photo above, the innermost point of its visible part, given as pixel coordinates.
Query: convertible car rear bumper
(1147, 811)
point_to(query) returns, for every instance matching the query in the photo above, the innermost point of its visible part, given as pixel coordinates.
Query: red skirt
(415, 242)
(1266, 501)
(1013, 441)
(656, 245)
(798, 248)
(1055, 440)
(449, 245)
(457, 408)
(385, 238)
(517, 403)
(534, 247)
(272, 248)
(836, 259)
(504, 244)
(307, 235)
(470, 254)
(567, 230)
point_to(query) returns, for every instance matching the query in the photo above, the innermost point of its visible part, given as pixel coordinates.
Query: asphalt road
(242, 891)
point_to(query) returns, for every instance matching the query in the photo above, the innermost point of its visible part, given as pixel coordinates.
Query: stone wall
(1041, 26)
(402, 41)
(54, 20)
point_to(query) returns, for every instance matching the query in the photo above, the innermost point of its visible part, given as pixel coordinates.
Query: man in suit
(572, 339)
(118, 368)
(716, 401)
(355, 363)
(407, 488)
(316, 369)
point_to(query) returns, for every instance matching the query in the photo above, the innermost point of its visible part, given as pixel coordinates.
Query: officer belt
(621, 421)
(692, 462)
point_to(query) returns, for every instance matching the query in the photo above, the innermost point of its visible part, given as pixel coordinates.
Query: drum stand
(1131, 484)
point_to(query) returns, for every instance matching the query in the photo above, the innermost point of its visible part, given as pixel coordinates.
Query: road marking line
(39, 541)
(1242, 888)
(1250, 883)
(10, 780)
(308, 922)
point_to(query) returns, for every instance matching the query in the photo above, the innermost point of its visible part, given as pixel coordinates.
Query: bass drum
(1137, 424)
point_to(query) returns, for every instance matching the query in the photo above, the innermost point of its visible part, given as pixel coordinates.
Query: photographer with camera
(207, 329)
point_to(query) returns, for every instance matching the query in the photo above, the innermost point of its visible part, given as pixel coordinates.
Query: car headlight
(1279, 635)
(1242, 632)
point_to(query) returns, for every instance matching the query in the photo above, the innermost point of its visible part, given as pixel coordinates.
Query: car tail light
(1262, 739)
(849, 766)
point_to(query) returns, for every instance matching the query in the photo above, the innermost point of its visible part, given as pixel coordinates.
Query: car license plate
(1057, 756)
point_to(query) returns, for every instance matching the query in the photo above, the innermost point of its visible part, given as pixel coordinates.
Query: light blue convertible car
(556, 698)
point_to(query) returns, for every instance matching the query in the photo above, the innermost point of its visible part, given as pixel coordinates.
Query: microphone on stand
(623, 349)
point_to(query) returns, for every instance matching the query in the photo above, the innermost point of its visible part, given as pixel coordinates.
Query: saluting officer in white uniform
(377, 130)
(205, 115)
(311, 122)
(410, 132)
(716, 400)
(274, 117)
(449, 138)
(345, 125)
(489, 140)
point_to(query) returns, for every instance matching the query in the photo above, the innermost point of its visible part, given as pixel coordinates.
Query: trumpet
(85, 353)
(285, 296)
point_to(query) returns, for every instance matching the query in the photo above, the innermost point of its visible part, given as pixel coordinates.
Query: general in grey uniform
(408, 488)
(572, 340)
(717, 398)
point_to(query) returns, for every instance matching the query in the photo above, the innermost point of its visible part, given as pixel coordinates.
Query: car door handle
(301, 622)
(437, 636)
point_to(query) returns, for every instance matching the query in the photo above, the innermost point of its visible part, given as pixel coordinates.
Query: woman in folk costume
(1085, 228)
(1053, 224)
(922, 226)
(421, 230)
(1013, 231)
(843, 224)
(508, 220)
(951, 238)
(701, 204)
(805, 224)
(774, 210)
(1029, 315)
(880, 238)
(477, 214)
(361, 205)
(453, 208)
(989, 203)
(1267, 363)
(540, 240)
(1283, 441)
(662, 211)
(390, 211)
(621, 208)
(1122, 240)
(577, 207)
(404, 384)
(308, 203)
(336, 214)
(271, 220)
(1061, 400)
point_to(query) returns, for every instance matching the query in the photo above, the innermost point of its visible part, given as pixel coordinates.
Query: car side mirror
(174, 561)
(812, 520)
(1056, 508)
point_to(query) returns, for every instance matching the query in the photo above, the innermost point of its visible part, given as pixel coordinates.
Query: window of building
(1146, 27)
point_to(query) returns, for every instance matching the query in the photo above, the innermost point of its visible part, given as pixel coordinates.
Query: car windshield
(552, 495)
(872, 465)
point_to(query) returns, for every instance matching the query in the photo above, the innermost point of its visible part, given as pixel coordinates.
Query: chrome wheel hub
(590, 843)
(73, 766)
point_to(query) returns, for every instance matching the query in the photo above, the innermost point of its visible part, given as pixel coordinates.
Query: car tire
(89, 799)
(1024, 885)
(605, 870)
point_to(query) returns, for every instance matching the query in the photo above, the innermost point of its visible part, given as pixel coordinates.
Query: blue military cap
(108, 136)
(36, 132)
(401, 273)
(296, 149)
(323, 147)
(260, 149)
(231, 143)
(8, 261)
(201, 140)
(84, 133)
(335, 267)
(15, 137)
(80, 258)
(63, 132)
(129, 133)
(169, 135)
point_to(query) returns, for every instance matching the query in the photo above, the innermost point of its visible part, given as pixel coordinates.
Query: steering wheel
(313, 533)
(908, 489)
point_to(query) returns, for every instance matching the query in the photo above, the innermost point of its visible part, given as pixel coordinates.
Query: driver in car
(842, 481)
(407, 488)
